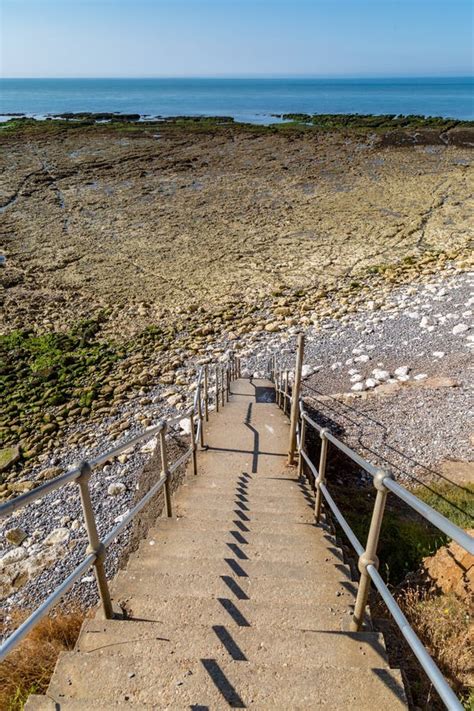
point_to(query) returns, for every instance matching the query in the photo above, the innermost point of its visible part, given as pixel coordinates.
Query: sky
(327, 38)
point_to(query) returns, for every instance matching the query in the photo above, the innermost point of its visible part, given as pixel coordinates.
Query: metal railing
(384, 484)
(96, 551)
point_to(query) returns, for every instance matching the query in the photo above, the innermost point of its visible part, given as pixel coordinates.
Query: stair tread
(201, 585)
(273, 646)
(227, 610)
(210, 682)
(162, 562)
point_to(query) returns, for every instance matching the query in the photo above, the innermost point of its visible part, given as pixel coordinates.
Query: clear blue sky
(81, 38)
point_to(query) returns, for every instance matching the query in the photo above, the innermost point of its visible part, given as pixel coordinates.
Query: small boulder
(116, 488)
(50, 473)
(8, 457)
(15, 536)
(59, 535)
(13, 556)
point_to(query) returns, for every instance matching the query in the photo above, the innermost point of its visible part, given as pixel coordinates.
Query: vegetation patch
(49, 378)
(28, 669)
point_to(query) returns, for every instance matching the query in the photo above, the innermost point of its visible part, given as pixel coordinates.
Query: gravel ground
(425, 420)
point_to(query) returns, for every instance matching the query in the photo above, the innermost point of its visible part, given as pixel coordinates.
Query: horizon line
(251, 76)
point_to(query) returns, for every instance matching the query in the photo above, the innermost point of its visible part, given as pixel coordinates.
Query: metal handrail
(81, 473)
(368, 561)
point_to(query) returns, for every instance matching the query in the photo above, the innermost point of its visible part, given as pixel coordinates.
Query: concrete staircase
(239, 601)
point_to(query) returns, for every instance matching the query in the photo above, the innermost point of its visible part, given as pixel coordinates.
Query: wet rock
(8, 457)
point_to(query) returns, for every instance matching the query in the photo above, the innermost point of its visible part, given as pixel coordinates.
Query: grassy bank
(28, 669)
(441, 620)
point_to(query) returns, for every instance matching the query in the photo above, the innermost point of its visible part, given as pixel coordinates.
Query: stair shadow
(256, 438)
(229, 643)
(242, 526)
(237, 551)
(234, 612)
(239, 537)
(391, 683)
(222, 684)
(236, 568)
(234, 587)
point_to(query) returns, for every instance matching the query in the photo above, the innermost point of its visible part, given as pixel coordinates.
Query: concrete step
(192, 610)
(239, 569)
(308, 537)
(187, 545)
(214, 512)
(272, 486)
(262, 504)
(261, 646)
(157, 585)
(45, 703)
(278, 526)
(211, 683)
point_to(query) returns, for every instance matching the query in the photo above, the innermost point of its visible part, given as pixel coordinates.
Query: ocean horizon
(254, 100)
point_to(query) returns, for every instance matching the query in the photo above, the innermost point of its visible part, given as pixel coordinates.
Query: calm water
(244, 99)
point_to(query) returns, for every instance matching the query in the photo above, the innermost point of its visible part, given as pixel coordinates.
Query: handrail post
(222, 386)
(164, 469)
(285, 397)
(193, 443)
(201, 420)
(227, 380)
(217, 389)
(295, 403)
(206, 393)
(301, 449)
(321, 478)
(369, 557)
(95, 544)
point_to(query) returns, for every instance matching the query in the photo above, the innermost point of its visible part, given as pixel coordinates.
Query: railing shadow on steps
(289, 400)
(205, 395)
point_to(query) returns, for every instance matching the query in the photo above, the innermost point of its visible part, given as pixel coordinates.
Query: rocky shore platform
(134, 255)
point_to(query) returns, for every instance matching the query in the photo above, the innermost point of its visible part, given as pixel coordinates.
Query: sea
(245, 99)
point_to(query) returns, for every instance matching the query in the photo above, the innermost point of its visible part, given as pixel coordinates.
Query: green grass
(454, 502)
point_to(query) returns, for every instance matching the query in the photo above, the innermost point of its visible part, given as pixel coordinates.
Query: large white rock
(150, 446)
(356, 378)
(13, 556)
(380, 374)
(401, 371)
(371, 383)
(116, 488)
(460, 328)
(185, 425)
(362, 358)
(306, 371)
(358, 387)
(59, 535)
